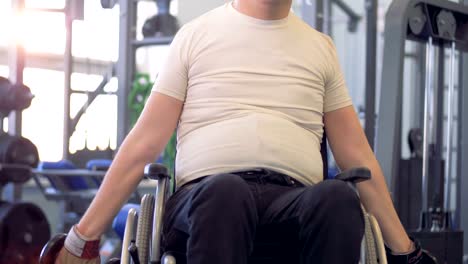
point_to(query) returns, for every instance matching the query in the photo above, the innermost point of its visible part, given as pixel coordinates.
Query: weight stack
(408, 190)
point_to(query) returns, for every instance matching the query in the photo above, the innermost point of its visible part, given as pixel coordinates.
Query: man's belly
(253, 141)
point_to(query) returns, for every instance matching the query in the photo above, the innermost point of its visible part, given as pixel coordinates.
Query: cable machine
(422, 184)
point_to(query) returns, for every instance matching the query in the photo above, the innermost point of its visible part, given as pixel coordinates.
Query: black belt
(257, 175)
(269, 176)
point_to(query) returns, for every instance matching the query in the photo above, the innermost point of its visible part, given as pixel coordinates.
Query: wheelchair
(142, 227)
(143, 224)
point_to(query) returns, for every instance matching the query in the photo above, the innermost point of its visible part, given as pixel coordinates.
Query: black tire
(144, 229)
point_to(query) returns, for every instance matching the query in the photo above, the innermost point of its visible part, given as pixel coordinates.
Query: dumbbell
(4, 89)
(23, 231)
(14, 96)
(17, 156)
(162, 24)
(51, 250)
(108, 4)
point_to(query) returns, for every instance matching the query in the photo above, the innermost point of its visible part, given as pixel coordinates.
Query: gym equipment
(163, 24)
(108, 4)
(71, 187)
(418, 183)
(18, 150)
(23, 231)
(17, 154)
(15, 150)
(50, 252)
(14, 97)
(23, 226)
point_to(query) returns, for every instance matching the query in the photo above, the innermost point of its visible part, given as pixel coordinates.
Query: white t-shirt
(254, 94)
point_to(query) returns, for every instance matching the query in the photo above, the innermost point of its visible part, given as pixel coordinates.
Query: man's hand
(65, 257)
(417, 256)
(56, 252)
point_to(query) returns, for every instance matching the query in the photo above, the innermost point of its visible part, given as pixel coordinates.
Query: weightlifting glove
(65, 257)
(418, 256)
(81, 247)
(73, 248)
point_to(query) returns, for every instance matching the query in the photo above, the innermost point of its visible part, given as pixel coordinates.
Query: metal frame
(67, 71)
(462, 147)
(91, 97)
(318, 13)
(126, 64)
(125, 71)
(354, 17)
(371, 68)
(389, 138)
(74, 10)
(389, 122)
(312, 14)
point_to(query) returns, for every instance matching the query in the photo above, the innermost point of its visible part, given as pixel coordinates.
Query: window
(43, 120)
(52, 4)
(95, 41)
(97, 127)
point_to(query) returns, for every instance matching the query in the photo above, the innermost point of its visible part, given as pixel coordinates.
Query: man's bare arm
(142, 145)
(351, 149)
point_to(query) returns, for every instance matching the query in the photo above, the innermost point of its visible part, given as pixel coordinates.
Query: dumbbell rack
(438, 25)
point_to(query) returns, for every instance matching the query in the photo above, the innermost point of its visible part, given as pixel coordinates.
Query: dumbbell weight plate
(23, 231)
(51, 250)
(20, 96)
(4, 90)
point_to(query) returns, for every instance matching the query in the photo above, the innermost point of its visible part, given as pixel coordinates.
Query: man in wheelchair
(250, 88)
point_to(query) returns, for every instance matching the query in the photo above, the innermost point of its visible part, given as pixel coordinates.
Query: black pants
(218, 218)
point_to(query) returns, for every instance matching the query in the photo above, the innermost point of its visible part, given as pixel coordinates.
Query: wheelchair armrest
(354, 175)
(156, 171)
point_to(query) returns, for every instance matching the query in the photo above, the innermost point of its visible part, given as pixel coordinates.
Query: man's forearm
(376, 199)
(351, 149)
(146, 140)
(119, 183)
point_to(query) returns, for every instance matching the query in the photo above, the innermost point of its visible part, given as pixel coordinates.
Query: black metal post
(329, 12)
(436, 173)
(371, 68)
(313, 13)
(126, 64)
(320, 15)
(462, 148)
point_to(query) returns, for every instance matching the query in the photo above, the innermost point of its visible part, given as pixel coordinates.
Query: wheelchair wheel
(144, 229)
(374, 247)
(379, 244)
